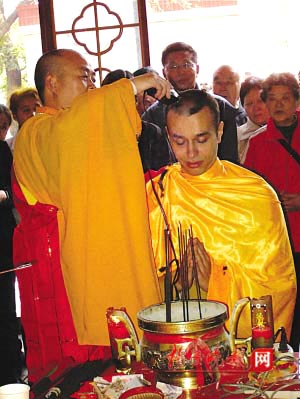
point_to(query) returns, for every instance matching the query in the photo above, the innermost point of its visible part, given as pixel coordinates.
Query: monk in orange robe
(240, 241)
(78, 176)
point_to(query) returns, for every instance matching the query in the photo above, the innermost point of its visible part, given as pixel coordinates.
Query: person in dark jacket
(153, 149)
(180, 67)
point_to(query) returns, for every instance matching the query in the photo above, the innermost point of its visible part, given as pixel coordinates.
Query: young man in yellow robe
(80, 191)
(240, 242)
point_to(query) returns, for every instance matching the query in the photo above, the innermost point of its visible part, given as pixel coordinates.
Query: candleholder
(123, 339)
(262, 322)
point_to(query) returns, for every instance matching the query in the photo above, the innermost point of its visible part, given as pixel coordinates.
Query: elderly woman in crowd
(257, 113)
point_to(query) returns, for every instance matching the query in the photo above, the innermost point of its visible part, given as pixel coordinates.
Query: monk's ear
(51, 83)
(220, 131)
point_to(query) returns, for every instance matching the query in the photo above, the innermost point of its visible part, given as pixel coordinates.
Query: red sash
(45, 310)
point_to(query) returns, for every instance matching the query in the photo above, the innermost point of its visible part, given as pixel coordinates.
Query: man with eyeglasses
(181, 68)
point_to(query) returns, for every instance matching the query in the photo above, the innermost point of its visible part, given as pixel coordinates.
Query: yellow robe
(85, 161)
(238, 217)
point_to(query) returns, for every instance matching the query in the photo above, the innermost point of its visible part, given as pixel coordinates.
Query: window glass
(256, 37)
(116, 36)
(66, 11)
(125, 53)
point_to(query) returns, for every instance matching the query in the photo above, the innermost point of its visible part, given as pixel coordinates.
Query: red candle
(117, 329)
(262, 337)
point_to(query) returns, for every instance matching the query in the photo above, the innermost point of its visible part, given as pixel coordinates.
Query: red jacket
(271, 160)
(45, 310)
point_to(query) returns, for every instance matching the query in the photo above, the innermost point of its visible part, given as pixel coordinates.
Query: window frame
(48, 31)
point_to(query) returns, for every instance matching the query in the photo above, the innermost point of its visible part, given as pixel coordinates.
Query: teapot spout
(234, 340)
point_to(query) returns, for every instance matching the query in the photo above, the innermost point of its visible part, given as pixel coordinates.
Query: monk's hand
(152, 80)
(201, 260)
(198, 261)
(290, 202)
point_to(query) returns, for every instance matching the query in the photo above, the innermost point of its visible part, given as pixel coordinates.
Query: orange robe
(238, 217)
(85, 161)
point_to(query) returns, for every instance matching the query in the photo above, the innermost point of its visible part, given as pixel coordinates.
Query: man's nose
(223, 86)
(278, 102)
(192, 150)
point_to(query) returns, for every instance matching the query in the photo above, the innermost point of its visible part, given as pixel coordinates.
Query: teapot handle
(237, 310)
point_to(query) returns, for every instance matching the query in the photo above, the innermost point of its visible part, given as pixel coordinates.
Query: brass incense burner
(183, 353)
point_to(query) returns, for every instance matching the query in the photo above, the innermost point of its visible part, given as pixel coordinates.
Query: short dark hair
(144, 70)
(250, 83)
(192, 101)
(115, 75)
(280, 79)
(49, 62)
(178, 46)
(4, 110)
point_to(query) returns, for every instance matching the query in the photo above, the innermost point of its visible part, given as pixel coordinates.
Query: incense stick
(19, 267)
(195, 274)
(183, 273)
(180, 270)
(186, 274)
(184, 278)
(186, 243)
(168, 283)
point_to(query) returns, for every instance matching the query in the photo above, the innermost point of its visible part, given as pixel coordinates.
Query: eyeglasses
(186, 65)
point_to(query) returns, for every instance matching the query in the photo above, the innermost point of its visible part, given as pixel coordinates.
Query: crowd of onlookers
(261, 131)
